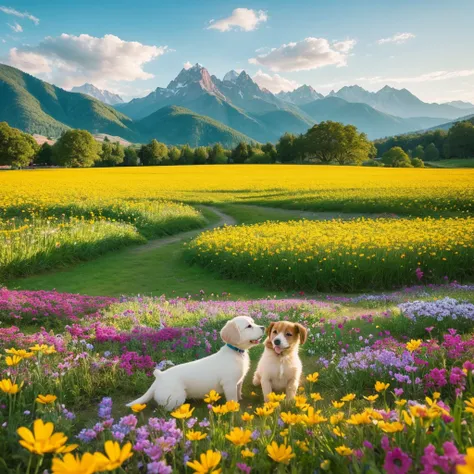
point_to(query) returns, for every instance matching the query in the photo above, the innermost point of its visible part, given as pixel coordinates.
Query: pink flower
(397, 462)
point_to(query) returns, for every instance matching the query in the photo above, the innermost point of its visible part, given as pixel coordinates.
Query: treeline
(325, 143)
(434, 145)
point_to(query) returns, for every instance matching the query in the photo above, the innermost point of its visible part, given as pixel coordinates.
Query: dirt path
(224, 219)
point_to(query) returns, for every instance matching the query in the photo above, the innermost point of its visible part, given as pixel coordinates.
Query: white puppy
(223, 372)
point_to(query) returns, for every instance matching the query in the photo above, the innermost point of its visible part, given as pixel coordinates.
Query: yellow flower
(413, 345)
(337, 404)
(344, 450)
(195, 435)
(407, 418)
(280, 453)
(247, 417)
(184, 411)
(290, 418)
(313, 377)
(303, 445)
(375, 415)
(20, 352)
(381, 387)
(46, 399)
(274, 397)
(313, 417)
(263, 411)
(13, 360)
(316, 397)
(371, 398)
(469, 404)
(42, 440)
(436, 395)
(239, 437)
(70, 464)
(325, 465)
(220, 409)
(271, 405)
(115, 456)
(284, 433)
(400, 403)
(348, 398)
(394, 427)
(212, 397)
(232, 405)
(138, 407)
(360, 419)
(44, 348)
(337, 431)
(209, 461)
(468, 467)
(253, 394)
(300, 401)
(246, 453)
(7, 386)
(337, 418)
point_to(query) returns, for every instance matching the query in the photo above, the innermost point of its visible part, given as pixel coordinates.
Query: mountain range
(104, 96)
(200, 109)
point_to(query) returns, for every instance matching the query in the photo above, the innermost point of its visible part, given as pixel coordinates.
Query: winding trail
(224, 219)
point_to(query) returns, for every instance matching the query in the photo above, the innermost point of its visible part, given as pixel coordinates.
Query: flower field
(340, 255)
(388, 386)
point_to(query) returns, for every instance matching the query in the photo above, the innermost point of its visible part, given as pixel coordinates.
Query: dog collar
(236, 349)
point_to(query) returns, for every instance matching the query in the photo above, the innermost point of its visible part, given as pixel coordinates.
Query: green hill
(35, 106)
(178, 126)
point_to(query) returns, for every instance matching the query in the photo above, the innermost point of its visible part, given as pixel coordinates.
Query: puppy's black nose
(262, 328)
(277, 342)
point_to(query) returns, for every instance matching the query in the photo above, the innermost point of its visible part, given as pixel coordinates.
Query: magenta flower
(397, 462)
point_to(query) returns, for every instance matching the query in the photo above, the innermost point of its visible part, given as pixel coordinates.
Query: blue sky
(133, 47)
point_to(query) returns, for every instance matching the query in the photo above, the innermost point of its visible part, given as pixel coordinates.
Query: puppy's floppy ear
(302, 331)
(230, 333)
(269, 328)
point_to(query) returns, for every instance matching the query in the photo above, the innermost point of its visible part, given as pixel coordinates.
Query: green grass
(453, 163)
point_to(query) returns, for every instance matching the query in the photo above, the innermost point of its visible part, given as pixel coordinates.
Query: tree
(461, 140)
(45, 155)
(217, 155)
(270, 150)
(417, 163)
(174, 154)
(187, 155)
(76, 149)
(396, 158)
(153, 153)
(16, 148)
(200, 155)
(240, 153)
(130, 156)
(419, 152)
(285, 148)
(112, 154)
(431, 152)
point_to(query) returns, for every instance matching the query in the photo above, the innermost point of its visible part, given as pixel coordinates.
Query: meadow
(388, 385)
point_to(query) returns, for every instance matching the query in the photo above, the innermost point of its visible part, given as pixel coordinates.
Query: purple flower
(159, 467)
(368, 444)
(398, 392)
(87, 435)
(244, 467)
(105, 408)
(397, 462)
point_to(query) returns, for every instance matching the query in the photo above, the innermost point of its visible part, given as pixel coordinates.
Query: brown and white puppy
(280, 367)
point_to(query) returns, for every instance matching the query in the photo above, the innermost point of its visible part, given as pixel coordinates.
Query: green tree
(174, 154)
(419, 152)
(417, 163)
(240, 153)
(112, 154)
(217, 155)
(285, 148)
(45, 155)
(396, 158)
(154, 153)
(200, 155)
(461, 140)
(130, 156)
(187, 155)
(431, 152)
(16, 148)
(76, 149)
(270, 150)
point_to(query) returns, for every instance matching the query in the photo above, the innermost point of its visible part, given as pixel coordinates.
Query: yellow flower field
(341, 255)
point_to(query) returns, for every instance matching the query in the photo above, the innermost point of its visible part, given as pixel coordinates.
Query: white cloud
(427, 77)
(311, 53)
(398, 38)
(73, 60)
(241, 18)
(12, 11)
(187, 65)
(274, 83)
(16, 27)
